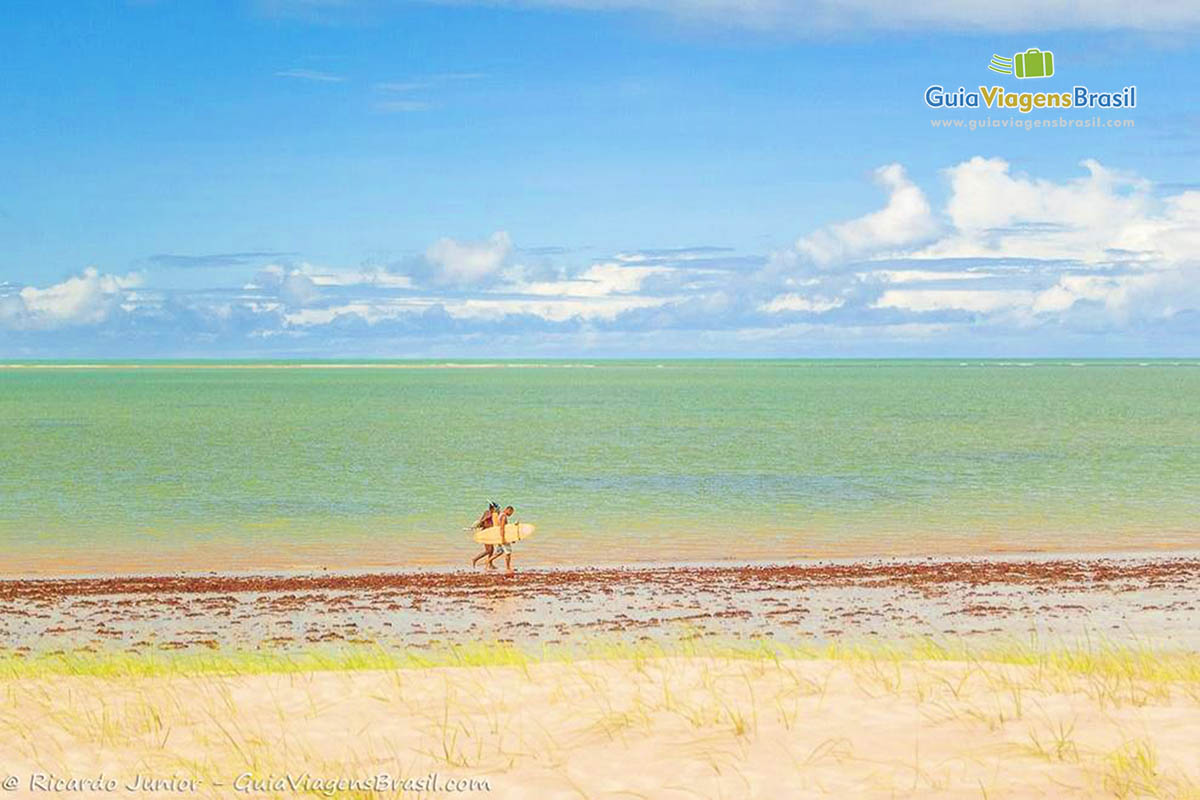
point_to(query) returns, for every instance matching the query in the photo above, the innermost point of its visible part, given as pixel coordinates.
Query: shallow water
(138, 467)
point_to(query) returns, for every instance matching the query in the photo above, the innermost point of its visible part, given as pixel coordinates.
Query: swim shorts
(503, 548)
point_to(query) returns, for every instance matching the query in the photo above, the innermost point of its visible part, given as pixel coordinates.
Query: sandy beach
(997, 677)
(869, 725)
(1022, 676)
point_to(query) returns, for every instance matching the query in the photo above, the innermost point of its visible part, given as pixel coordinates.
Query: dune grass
(724, 717)
(1100, 658)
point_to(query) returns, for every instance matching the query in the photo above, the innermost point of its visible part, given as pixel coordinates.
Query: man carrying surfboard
(504, 548)
(486, 520)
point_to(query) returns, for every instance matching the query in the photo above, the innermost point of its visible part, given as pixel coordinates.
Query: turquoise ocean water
(204, 466)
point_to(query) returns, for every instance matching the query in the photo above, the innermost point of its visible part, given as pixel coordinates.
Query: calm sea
(219, 467)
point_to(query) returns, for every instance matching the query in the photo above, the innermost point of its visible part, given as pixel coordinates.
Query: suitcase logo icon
(1033, 63)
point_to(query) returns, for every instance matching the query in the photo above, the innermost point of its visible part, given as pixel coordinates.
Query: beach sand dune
(672, 727)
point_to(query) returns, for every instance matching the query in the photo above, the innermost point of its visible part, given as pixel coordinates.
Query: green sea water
(199, 466)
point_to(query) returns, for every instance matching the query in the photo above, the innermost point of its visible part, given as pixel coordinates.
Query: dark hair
(509, 510)
(493, 506)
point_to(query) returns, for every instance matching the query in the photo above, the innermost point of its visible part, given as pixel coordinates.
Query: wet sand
(1152, 600)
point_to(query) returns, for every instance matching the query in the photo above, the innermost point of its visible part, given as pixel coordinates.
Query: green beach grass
(1109, 659)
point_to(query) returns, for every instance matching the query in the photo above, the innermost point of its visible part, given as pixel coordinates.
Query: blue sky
(590, 178)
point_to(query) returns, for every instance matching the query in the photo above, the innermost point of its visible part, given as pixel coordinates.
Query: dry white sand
(659, 728)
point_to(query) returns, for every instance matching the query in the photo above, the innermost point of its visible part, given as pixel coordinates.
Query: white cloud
(602, 292)
(355, 277)
(925, 275)
(1173, 235)
(905, 220)
(995, 213)
(1155, 293)
(86, 299)
(293, 286)
(1070, 288)
(799, 302)
(1098, 261)
(467, 262)
(597, 280)
(553, 310)
(372, 311)
(301, 285)
(953, 299)
(1106, 239)
(498, 309)
(298, 289)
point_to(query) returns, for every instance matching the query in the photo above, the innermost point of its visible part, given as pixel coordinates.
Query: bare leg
(508, 563)
(487, 551)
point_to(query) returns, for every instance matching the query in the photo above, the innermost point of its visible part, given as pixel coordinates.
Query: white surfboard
(513, 532)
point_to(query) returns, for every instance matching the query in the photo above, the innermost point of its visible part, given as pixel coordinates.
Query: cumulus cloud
(996, 213)
(597, 280)
(1158, 293)
(905, 220)
(1172, 235)
(468, 262)
(293, 286)
(602, 291)
(1012, 250)
(85, 299)
(1102, 263)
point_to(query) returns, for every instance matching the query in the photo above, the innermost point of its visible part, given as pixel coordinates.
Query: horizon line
(480, 363)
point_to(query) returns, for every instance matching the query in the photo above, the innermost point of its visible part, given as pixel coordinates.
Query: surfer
(504, 548)
(486, 520)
